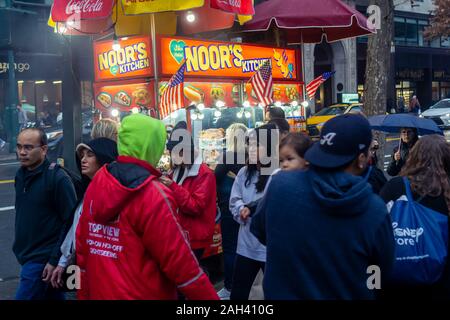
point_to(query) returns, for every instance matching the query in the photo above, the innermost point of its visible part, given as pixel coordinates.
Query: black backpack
(76, 179)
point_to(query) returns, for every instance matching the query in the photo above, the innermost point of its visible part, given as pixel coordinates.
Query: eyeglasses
(26, 147)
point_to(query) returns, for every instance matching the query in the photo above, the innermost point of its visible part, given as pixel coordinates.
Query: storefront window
(422, 25)
(445, 90)
(41, 100)
(435, 91)
(405, 89)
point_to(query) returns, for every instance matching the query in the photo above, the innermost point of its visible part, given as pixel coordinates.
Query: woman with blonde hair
(105, 128)
(234, 158)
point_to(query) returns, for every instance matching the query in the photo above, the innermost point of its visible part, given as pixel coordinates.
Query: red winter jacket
(129, 244)
(195, 196)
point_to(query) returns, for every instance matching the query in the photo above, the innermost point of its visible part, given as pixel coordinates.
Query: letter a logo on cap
(328, 139)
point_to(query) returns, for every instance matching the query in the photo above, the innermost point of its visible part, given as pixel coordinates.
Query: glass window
(443, 104)
(436, 43)
(411, 31)
(400, 30)
(331, 111)
(421, 28)
(445, 42)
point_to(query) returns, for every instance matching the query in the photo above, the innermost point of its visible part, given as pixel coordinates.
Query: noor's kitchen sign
(130, 61)
(222, 59)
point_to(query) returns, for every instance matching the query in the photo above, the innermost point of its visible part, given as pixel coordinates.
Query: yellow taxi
(316, 122)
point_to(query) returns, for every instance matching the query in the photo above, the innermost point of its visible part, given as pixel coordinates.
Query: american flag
(172, 98)
(312, 87)
(262, 83)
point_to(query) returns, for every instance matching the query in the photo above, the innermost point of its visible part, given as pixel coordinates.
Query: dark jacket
(376, 178)
(42, 210)
(395, 167)
(322, 230)
(225, 174)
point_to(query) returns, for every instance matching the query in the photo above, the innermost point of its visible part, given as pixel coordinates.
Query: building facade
(420, 67)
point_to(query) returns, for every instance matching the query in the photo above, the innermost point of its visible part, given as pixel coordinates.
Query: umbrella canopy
(394, 122)
(309, 21)
(131, 18)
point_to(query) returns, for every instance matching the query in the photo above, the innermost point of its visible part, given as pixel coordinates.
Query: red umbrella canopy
(310, 19)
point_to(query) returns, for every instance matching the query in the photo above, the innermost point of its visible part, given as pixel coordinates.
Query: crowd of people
(314, 224)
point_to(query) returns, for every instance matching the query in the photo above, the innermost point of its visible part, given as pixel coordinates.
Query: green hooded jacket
(142, 137)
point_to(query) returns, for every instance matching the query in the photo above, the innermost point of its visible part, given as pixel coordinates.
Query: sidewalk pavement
(5, 155)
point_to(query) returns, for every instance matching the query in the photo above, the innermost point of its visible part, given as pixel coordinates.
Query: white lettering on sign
(78, 6)
(406, 236)
(105, 230)
(20, 67)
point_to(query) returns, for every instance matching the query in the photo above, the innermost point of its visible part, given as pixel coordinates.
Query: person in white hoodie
(248, 189)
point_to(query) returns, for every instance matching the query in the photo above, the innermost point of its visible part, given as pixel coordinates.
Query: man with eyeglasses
(45, 197)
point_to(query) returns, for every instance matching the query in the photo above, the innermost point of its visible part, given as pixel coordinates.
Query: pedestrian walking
(106, 128)
(194, 188)
(420, 198)
(375, 176)
(248, 189)
(129, 244)
(408, 138)
(401, 105)
(22, 117)
(324, 226)
(45, 197)
(233, 159)
(414, 105)
(282, 125)
(91, 156)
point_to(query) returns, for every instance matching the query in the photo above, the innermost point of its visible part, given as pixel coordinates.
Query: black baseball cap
(342, 139)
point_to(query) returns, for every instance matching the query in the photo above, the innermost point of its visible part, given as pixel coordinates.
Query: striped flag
(312, 87)
(262, 83)
(172, 97)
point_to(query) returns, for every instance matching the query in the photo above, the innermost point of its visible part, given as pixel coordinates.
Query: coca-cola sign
(70, 10)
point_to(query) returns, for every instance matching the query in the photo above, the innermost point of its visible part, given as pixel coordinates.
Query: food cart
(216, 87)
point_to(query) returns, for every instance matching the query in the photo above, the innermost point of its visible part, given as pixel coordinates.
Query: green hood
(142, 137)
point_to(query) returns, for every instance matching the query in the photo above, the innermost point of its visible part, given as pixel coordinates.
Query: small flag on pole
(172, 98)
(312, 87)
(262, 83)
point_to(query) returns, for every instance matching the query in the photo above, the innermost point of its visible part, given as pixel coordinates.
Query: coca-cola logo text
(84, 6)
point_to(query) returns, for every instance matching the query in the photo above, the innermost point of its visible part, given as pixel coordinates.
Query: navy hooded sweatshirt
(322, 230)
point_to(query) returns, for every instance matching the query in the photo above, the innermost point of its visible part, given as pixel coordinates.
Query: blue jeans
(31, 286)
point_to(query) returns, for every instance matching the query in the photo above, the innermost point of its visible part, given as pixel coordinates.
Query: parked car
(439, 113)
(316, 122)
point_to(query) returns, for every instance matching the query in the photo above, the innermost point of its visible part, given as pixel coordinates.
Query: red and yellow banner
(132, 60)
(222, 59)
(131, 7)
(123, 96)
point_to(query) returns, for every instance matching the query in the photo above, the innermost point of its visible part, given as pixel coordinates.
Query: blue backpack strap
(408, 189)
